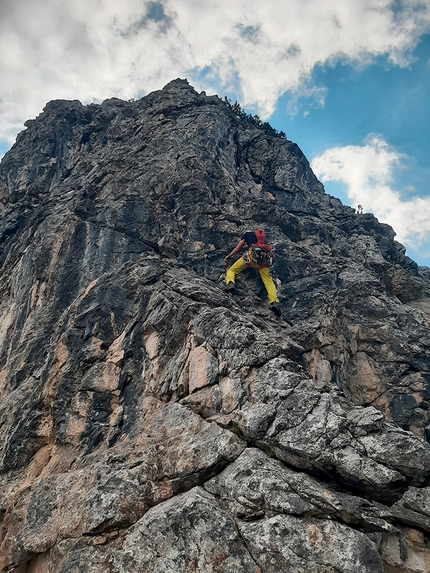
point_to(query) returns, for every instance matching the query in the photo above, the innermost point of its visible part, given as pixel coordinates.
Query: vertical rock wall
(151, 422)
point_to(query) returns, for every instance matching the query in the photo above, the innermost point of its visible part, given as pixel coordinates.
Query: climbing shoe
(229, 288)
(276, 308)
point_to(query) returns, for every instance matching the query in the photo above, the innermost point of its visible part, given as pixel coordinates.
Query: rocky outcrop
(150, 421)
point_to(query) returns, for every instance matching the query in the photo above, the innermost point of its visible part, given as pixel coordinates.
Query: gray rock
(414, 508)
(312, 546)
(187, 533)
(140, 402)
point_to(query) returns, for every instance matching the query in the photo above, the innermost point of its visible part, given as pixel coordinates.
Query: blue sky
(348, 80)
(391, 103)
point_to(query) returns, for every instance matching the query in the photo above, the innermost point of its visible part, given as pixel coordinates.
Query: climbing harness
(259, 257)
(260, 253)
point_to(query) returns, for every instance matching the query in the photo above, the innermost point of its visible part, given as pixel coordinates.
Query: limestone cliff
(151, 422)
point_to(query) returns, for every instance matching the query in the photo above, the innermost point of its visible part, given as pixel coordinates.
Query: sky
(347, 80)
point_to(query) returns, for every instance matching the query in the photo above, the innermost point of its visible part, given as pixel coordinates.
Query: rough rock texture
(151, 422)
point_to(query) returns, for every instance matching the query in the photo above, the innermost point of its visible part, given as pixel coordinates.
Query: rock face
(151, 422)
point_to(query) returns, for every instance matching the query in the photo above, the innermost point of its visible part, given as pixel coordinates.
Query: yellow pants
(265, 275)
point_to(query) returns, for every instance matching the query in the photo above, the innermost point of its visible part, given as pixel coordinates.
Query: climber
(258, 255)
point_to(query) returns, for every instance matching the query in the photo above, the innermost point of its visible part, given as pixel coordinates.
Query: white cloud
(368, 172)
(95, 49)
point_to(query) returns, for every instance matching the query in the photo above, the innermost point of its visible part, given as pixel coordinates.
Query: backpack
(260, 252)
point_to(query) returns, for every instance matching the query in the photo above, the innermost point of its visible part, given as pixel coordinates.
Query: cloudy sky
(348, 80)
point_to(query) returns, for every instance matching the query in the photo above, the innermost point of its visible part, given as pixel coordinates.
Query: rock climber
(258, 255)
